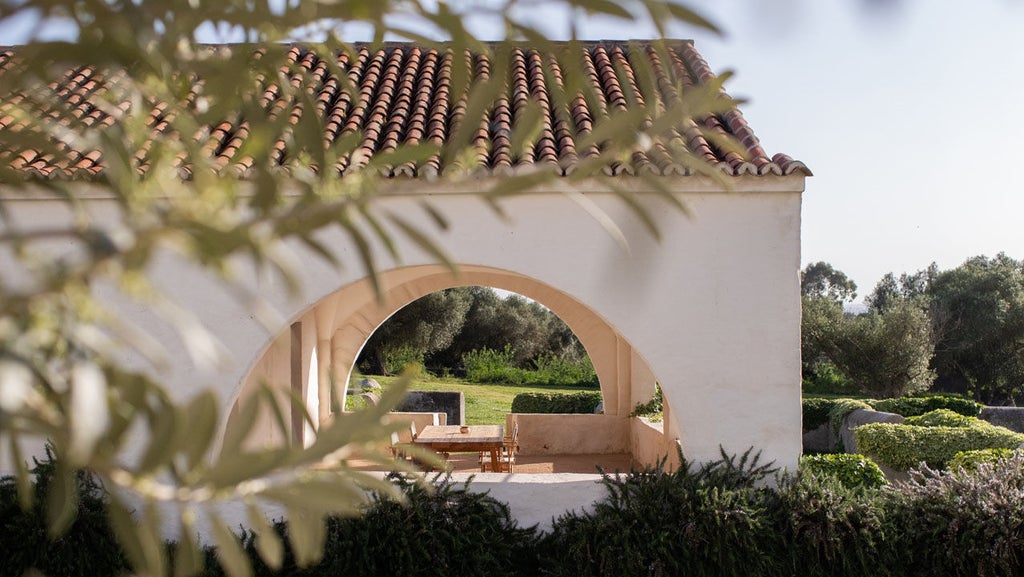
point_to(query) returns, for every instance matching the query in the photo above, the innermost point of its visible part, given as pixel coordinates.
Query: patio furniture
(449, 439)
(506, 458)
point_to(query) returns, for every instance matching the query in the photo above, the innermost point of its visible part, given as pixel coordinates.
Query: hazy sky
(909, 112)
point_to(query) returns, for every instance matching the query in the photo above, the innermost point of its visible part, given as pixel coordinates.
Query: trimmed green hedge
(583, 402)
(815, 412)
(904, 446)
(969, 460)
(914, 406)
(818, 411)
(941, 418)
(849, 469)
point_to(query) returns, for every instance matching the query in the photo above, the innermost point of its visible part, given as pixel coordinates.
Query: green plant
(403, 360)
(445, 529)
(86, 547)
(904, 446)
(556, 370)
(829, 528)
(969, 460)
(842, 407)
(582, 402)
(815, 412)
(824, 378)
(652, 407)
(696, 520)
(948, 523)
(941, 418)
(849, 469)
(914, 406)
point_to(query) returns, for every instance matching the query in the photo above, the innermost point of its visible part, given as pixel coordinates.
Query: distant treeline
(960, 329)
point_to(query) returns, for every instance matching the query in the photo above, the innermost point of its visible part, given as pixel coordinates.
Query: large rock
(1010, 417)
(364, 386)
(862, 417)
(820, 440)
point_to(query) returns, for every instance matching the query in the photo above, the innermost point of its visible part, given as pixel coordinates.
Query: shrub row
(582, 402)
(491, 366)
(717, 519)
(818, 411)
(904, 446)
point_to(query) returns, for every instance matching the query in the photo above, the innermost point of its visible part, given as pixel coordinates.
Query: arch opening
(326, 341)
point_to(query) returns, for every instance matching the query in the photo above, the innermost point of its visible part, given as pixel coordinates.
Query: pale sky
(910, 113)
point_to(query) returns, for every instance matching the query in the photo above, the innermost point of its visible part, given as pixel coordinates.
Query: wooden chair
(507, 455)
(400, 438)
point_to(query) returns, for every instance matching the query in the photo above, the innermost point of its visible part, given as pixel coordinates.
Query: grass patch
(486, 404)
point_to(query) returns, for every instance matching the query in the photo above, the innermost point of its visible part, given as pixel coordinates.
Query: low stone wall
(862, 417)
(452, 403)
(1010, 417)
(649, 444)
(560, 434)
(421, 419)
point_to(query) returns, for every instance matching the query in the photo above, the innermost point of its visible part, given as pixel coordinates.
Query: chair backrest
(512, 443)
(412, 430)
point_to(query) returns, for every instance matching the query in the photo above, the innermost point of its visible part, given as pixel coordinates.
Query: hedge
(969, 460)
(583, 402)
(904, 446)
(941, 418)
(914, 406)
(849, 469)
(818, 411)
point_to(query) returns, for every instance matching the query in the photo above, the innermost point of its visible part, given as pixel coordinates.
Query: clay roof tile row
(403, 95)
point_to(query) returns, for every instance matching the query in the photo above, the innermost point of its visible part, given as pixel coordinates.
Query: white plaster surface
(537, 499)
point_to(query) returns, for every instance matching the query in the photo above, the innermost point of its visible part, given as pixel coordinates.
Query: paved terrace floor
(541, 464)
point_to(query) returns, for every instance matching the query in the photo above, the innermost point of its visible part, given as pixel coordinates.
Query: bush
(829, 529)
(403, 360)
(491, 366)
(941, 418)
(852, 471)
(825, 378)
(947, 523)
(582, 402)
(815, 412)
(914, 406)
(843, 407)
(904, 446)
(652, 408)
(709, 520)
(551, 369)
(88, 547)
(969, 460)
(441, 531)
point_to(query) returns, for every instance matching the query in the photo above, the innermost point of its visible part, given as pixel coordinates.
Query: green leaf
(200, 425)
(26, 488)
(307, 533)
(229, 551)
(188, 560)
(61, 500)
(268, 543)
(128, 536)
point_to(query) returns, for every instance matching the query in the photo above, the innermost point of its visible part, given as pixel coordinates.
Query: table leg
(495, 463)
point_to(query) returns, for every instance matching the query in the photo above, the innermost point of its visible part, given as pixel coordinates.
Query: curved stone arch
(345, 319)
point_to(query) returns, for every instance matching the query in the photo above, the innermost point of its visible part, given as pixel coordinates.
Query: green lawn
(486, 404)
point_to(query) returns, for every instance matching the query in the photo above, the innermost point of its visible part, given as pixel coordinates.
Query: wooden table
(448, 439)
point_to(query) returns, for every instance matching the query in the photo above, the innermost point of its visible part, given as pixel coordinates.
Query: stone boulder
(1010, 417)
(862, 417)
(364, 386)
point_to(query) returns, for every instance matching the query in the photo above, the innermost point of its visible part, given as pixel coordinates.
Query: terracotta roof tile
(402, 94)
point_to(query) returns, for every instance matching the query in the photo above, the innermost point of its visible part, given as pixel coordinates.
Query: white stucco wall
(713, 307)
